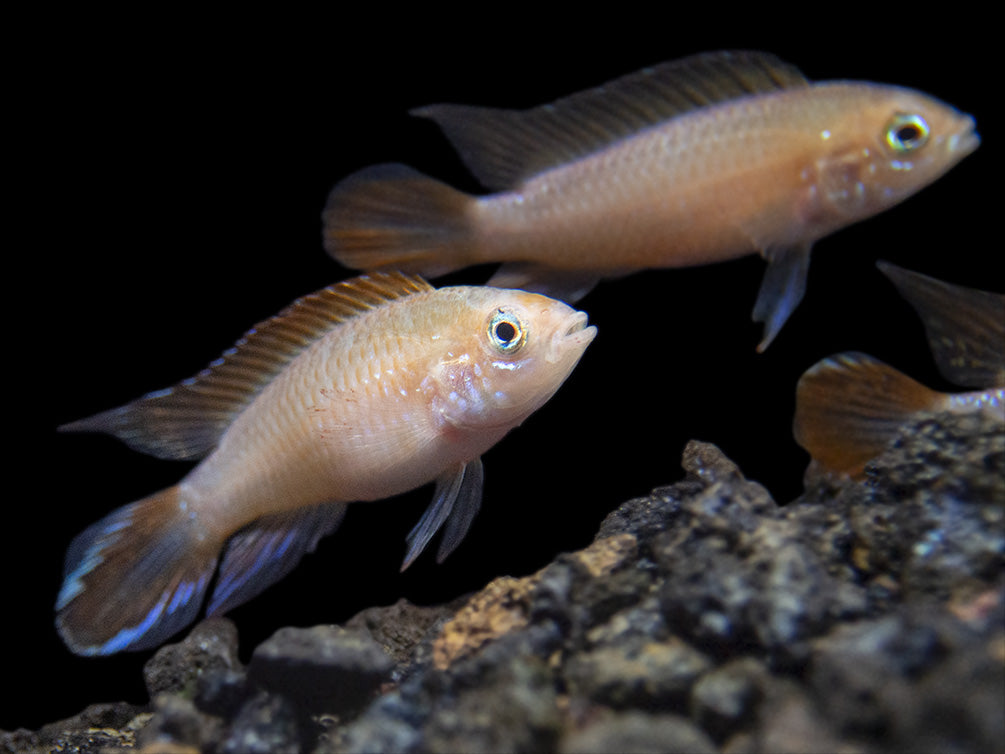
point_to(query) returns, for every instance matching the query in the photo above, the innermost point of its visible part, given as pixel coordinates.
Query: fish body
(696, 161)
(850, 407)
(364, 390)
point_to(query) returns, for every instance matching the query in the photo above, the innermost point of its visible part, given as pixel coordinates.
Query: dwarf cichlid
(366, 389)
(850, 407)
(694, 161)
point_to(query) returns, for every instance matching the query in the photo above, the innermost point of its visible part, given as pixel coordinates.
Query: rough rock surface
(704, 617)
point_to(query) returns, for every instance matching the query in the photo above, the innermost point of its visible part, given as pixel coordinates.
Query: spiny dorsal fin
(185, 421)
(503, 147)
(965, 326)
(850, 406)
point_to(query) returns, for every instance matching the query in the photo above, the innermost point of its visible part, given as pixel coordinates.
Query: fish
(851, 406)
(694, 161)
(368, 388)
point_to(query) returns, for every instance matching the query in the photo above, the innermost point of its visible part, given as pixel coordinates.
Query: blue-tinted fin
(186, 421)
(135, 578)
(504, 147)
(469, 501)
(565, 285)
(781, 290)
(456, 501)
(267, 550)
(965, 326)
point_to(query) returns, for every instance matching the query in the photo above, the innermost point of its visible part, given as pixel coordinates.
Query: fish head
(510, 351)
(887, 144)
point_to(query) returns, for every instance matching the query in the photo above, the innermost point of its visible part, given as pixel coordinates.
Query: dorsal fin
(965, 326)
(503, 147)
(185, 422)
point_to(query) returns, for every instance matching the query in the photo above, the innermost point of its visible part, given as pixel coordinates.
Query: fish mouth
(572, 334)
(966, 138)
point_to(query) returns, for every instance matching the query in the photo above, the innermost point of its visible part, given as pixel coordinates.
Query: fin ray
(186, 421)
(504, 147)
(469, 502)
(782, 289)
(393, 215)
(965, 326)
(456, 500)
(850, 406)
(267, 550)
(565, 285)
(135, 578)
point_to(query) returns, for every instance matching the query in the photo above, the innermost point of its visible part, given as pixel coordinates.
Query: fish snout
(572, 334)
(965, 139)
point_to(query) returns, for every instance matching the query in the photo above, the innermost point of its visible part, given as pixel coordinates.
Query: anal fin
(267, 549)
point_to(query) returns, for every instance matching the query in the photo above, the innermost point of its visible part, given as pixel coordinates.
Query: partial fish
(850, 407)
(694, 161)
(366, 389)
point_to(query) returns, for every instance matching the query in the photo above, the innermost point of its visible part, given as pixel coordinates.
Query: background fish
(694, 161)
(849, 407)
(364, 390)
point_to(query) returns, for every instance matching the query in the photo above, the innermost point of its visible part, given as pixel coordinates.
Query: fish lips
(573, 336)
(965, 139)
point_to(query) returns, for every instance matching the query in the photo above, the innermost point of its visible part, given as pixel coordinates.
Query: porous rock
(861, 617)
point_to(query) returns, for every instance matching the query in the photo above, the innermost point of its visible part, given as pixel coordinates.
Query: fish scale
(691, 162)
(394, 385)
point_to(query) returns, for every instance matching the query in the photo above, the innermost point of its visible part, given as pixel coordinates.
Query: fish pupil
(505, 331)
(908, 134)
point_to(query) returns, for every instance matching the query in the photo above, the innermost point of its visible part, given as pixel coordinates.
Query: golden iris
(506, 332)
(906, 132)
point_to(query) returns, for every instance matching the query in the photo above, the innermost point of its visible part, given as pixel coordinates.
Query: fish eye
(506, 332)
(906, 132)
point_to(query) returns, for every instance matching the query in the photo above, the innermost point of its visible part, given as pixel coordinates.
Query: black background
(176, 168)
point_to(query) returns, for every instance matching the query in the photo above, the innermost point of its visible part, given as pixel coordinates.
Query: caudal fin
(136, 577)
(849, 408)
(393, 216)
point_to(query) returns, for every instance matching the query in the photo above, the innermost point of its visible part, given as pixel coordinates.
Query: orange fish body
(851, 406)
(362, 391)
(692, 162)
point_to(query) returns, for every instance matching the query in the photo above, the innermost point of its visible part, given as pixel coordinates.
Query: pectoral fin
(456, 501)
(565, 285)
(781, 290)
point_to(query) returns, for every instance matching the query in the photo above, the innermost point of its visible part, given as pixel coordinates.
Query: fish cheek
(838, 188)
(461, 392)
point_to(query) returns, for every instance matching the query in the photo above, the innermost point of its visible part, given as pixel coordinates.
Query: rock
(177, 723)
(861, 617)
(266, 724)
(325, 668)
(99, 727)
(726, 698)
(209, 648)
(401, 627)
(638, 732)
(637, 674)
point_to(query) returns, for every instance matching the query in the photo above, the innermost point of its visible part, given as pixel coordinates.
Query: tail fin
(394, 216)
(136, 577)
(849, 408)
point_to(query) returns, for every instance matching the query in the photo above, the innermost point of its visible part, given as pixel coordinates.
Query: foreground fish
(694, 161)
(850, 407)
(364, 390)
